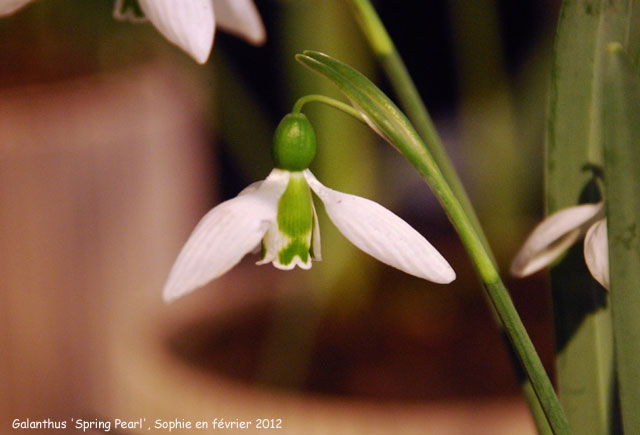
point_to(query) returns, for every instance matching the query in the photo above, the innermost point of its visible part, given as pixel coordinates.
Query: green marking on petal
(297, 248)
(263, 250)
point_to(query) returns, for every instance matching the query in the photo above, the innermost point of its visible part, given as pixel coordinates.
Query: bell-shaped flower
(278, 216)
(191, 24)
(555, 234)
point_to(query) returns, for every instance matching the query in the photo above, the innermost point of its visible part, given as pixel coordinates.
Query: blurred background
(113, 143)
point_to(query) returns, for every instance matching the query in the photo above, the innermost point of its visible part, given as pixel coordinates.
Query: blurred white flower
(189, 24)
(278, 215)
(555, 234)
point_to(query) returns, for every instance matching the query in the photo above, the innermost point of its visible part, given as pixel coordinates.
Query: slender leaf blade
(583, 331)
(621, 126)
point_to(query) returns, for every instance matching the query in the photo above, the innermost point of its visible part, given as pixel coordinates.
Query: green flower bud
(294, 143)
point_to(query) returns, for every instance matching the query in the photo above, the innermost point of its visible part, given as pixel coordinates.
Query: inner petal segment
(288, 242)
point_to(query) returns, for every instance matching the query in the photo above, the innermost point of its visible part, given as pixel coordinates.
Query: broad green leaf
(582, 316)
(633, 38)
(621, 128)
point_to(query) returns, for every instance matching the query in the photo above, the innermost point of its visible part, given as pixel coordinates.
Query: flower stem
(455, 200)
(501, 301)
(409, 97)
(349, 110)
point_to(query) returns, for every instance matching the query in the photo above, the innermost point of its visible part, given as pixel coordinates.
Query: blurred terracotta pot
(153, 380)
(101, 178)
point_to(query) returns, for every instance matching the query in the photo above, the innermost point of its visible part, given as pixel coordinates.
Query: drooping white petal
(553, 236)
(224, 236)
(8, 7)
(240, 18)
(190, 24)
(382, 234)
(596, 252)
(251, 187)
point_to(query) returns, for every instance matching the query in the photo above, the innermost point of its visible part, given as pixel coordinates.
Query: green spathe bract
(294, 143)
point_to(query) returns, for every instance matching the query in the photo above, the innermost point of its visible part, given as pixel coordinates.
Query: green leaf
(621, 127)
(633, 38)
(581, 308)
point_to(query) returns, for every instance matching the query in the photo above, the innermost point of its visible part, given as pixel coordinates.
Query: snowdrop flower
(558, 232)
(191, 24)
(277, 215)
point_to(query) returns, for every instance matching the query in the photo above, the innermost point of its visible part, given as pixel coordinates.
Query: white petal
(8, 7)
(190, 24)
(382, 234)
(224, 236)
(553, 236)
(240, 18)
(596, 252)
(251, 187)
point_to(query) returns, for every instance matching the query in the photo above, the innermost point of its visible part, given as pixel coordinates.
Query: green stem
(386, 53)
(500, 300)
(349, 110)
(407, 93)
